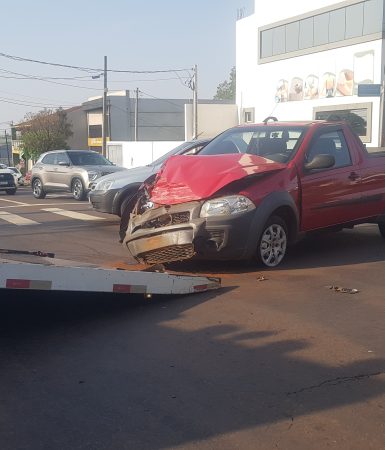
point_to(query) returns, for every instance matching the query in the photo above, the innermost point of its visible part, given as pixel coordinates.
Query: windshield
(175, 151)
(85, 158)
(277, 143)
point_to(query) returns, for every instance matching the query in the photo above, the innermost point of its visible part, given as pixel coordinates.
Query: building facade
(318, 61)
(145, 119)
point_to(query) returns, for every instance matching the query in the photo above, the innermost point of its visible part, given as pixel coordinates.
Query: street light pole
(105, 122)
(195, 103)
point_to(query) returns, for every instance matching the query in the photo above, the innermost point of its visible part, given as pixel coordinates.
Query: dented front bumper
(177, 233)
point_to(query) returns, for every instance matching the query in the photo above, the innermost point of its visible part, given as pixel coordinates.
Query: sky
(141, 35)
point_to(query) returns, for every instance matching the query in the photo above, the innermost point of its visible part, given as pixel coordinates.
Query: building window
(306, 33)
(267, 43)
(248, 115)
(337, 25)
(279, 40)
(359, 117)
(362, 21)
(292, 36)
(373, 16)
(321, 29)
(354, 20)
(95, 131)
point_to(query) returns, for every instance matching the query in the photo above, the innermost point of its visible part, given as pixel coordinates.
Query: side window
(49, 159)
(61, 158)
(334, 144)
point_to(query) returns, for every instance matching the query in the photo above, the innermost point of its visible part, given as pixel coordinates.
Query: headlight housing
(103, 185)
(92, 175)
(226, 206)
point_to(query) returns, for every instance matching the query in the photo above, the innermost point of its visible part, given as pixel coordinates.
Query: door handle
(354, 176)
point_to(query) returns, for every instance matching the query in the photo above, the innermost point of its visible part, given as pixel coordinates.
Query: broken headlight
(226, 206)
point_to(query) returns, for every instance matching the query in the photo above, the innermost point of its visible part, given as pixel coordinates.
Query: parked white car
(18, 175)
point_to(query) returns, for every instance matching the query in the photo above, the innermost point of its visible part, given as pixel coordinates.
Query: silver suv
(69, 171)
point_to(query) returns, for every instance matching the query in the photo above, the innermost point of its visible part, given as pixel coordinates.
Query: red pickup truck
(271, 183)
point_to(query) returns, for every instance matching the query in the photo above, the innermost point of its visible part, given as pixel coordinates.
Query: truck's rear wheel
(272, 245)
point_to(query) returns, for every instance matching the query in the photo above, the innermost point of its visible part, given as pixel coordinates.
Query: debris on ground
(343, 290)
(262, 278)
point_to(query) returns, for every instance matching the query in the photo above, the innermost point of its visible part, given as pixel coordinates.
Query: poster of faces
(329, 82)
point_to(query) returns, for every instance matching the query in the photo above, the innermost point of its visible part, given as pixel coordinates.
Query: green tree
(226, 89)
(44, 131)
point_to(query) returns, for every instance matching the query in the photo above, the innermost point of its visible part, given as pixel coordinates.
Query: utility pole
(195, 103)
(6, 143)
(105, 122)
(136, 113)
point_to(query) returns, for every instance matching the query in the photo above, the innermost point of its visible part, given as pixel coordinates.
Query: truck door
(330, 196)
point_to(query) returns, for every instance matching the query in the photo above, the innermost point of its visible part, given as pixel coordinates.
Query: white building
(299, 61)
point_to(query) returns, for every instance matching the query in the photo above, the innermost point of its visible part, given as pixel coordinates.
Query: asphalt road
(279, 362)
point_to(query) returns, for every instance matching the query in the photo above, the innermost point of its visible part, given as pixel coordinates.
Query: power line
(87, 69)
(164, 100)
(29, 96)
(32, 77)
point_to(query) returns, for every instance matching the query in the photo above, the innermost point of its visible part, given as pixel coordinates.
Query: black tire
(37, 188)
(381, 228)
(11, 191)
(272, 245)
(77, 189)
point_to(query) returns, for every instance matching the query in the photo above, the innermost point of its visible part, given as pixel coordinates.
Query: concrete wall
(212, 119)
(134, 154)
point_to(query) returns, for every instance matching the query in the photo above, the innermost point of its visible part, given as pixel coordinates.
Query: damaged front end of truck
(196, 207)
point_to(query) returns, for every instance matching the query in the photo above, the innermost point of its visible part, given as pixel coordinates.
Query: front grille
(168, 254)
(167, 220)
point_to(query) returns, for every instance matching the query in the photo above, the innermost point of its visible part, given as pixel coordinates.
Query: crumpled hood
(188, 178)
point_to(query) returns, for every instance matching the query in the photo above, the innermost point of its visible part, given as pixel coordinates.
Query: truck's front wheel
(272, 245)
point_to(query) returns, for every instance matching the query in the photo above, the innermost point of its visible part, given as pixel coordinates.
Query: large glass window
(337, 25)
(354, 20)
(361, 19)
(357, 116)
(321, 29)
(306, 33)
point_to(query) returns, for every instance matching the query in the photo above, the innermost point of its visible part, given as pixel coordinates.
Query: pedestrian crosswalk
(20, 219)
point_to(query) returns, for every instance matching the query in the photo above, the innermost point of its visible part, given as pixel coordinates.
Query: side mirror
(63, 163)
(320, 162)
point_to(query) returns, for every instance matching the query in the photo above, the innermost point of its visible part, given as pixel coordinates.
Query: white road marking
(15, 219)
(14, 201)
(72, 214)
(38, 204)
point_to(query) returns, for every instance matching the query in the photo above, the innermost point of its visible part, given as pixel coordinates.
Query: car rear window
(88, 159)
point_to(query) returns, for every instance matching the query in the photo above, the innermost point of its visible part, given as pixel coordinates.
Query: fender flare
(271, 203)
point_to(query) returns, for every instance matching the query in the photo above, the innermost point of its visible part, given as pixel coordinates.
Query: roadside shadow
(359, 245)
(134, 378)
